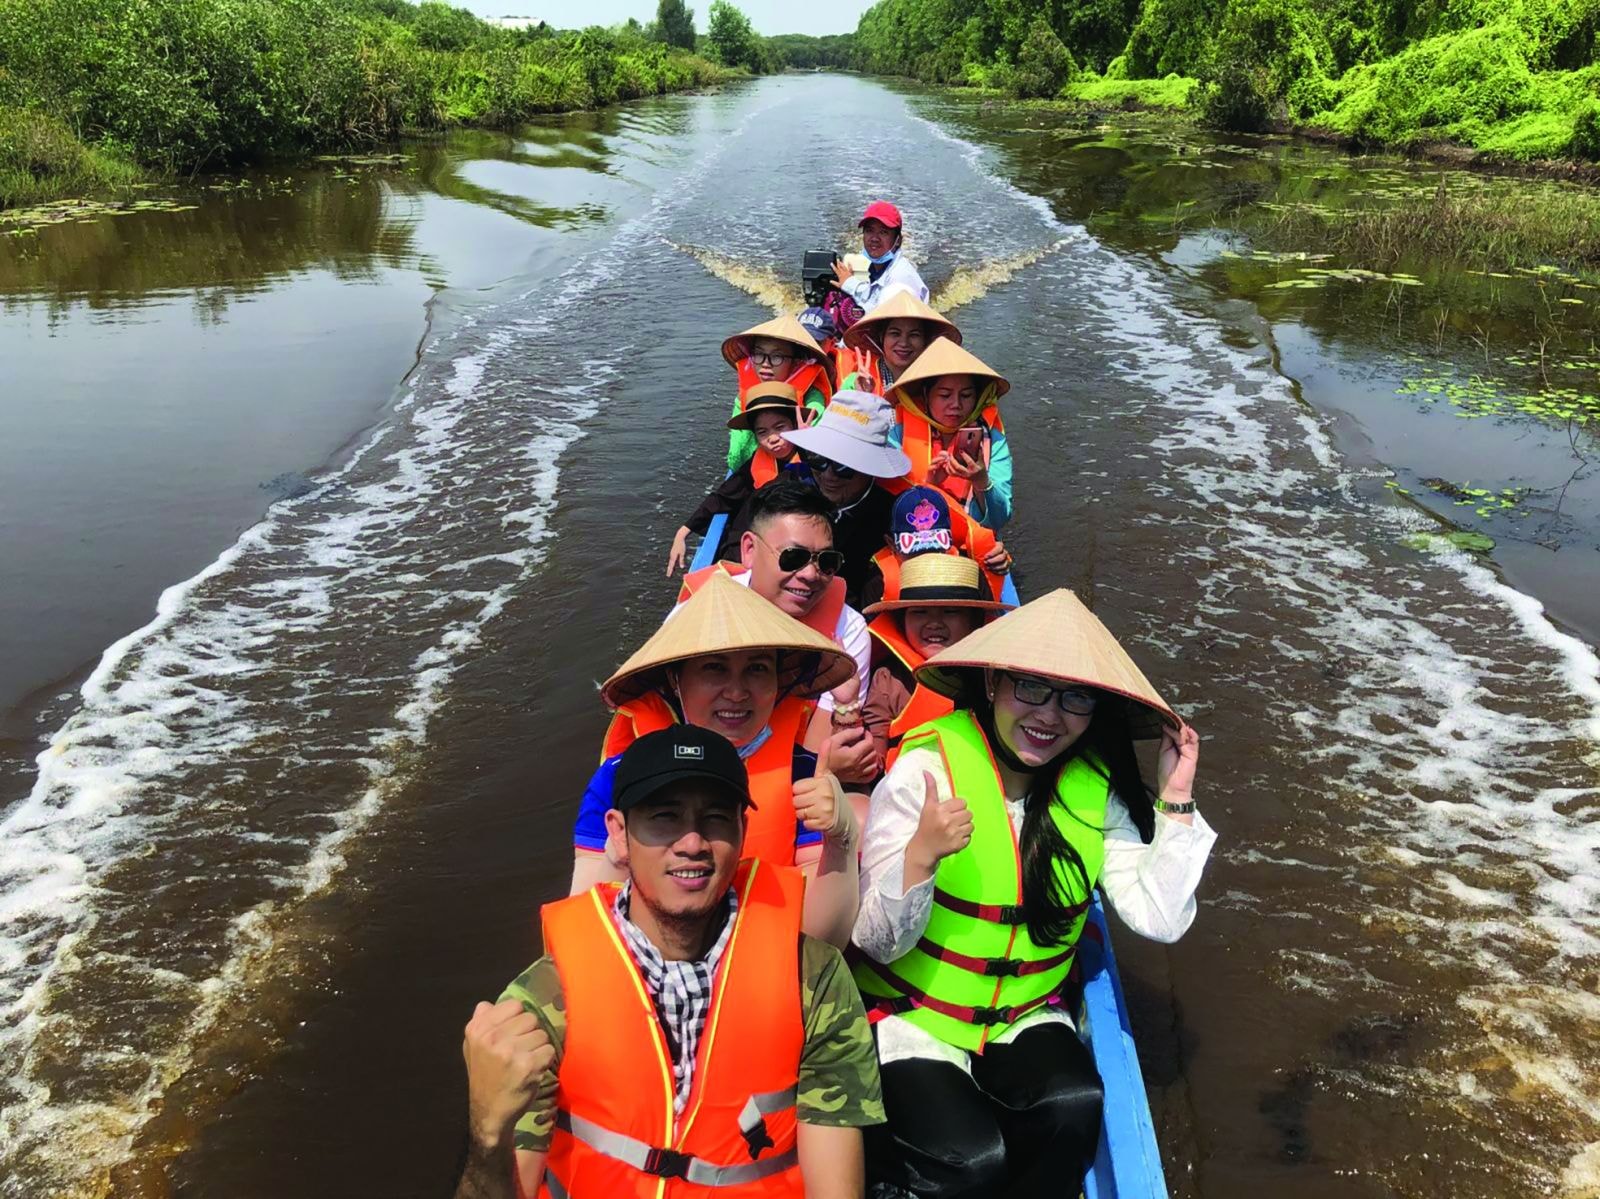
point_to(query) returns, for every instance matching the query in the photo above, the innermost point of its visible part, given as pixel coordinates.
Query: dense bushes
(181, 84)
(1514, 77)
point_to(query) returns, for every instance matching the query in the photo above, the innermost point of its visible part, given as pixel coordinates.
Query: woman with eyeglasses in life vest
(950, 428)
(732, 662)
(775, 351)
(983, 844)
(939, 599)
(767, 410)
(880, 347)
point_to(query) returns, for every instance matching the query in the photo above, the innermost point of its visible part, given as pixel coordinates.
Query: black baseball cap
(674, 755)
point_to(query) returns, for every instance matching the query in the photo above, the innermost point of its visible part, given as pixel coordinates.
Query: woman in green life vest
(982, 846)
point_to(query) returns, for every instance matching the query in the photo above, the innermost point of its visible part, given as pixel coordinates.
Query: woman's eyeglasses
(1075, 701)
(817, 464)
(794, 558)
(771, 357)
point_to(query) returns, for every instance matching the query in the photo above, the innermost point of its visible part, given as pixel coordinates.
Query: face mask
(879, 261)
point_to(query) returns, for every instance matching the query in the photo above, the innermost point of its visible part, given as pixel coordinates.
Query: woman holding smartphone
(983, 845)
(950, 429)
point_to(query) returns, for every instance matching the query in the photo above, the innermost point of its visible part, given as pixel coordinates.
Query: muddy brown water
(262, 855)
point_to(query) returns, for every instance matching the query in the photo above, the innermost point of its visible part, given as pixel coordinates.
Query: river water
(262, 854)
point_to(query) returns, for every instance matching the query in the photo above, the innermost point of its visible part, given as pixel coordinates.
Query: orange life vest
(770, 829)
(967, 546)
(924, 705)
(617, 1134)
(849, 361)
(763, 468)
(823, 617)
(812, 374)
(917, 440)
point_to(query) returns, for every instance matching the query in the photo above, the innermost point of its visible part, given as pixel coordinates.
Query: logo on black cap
(696, 752)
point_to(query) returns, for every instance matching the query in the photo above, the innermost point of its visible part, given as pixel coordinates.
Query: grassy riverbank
(96, 93)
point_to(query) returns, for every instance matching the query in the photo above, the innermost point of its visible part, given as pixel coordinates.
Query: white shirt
(901, 273)
(851, 634)
(1150, 887)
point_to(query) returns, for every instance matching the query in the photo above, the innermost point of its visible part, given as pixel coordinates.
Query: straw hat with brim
(897, 306)
(939, 581)
(854, 432)
(766, 397)
(945, 357)
(1053, 637)
(784, 328)
(722, 617)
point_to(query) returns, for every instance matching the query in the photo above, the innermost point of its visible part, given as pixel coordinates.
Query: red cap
(881, 210)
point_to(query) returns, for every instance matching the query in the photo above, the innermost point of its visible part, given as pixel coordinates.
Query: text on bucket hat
(724, 617)
(939, 581)
(898, 305)
(883, 212)
(781, 328)
(854, 432)
(766, 397)
(676, 755)
(1053, 637)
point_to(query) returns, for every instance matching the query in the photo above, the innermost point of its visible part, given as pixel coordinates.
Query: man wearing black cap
(597, 1046)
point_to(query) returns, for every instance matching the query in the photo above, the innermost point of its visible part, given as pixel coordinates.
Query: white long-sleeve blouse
(1150, 887)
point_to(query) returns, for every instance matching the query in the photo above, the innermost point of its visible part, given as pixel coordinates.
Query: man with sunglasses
(850, 459)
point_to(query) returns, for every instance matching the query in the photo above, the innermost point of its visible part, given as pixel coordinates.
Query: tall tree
(676, 22)
(732, 40)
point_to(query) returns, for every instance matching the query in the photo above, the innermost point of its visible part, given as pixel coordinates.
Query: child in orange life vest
(882, 345)
(947, 394)
(941, 599)
(922, 521)
(775, 351)
(768, 410)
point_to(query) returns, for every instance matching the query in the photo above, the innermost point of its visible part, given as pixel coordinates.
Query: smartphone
(968, 443)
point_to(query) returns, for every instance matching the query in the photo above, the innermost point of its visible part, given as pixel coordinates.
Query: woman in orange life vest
(922, 521)
(941, 598)
(982, 847)
(767, 410)
(775, 351)
(882, 345)
(947, 394)
(732, 662)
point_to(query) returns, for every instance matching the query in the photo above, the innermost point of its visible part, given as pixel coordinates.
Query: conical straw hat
(934, 580)
(1053, 637)
(766, 397)
(943, 357)
(721, 617)
(898, 306)
(783, 328)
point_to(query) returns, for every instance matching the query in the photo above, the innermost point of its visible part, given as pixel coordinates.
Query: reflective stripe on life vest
(978, 914)
(617, 1133)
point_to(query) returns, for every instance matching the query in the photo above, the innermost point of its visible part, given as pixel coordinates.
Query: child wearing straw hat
(767, 410)
(733, 663)
(950, 429)
(940, 599)
(921, 522)
(982, 847)
(775, 351)
(884, 344)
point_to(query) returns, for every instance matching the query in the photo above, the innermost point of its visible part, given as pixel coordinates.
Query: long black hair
(1107, 746)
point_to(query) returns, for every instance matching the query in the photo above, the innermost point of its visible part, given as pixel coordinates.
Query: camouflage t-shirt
(838, 1084)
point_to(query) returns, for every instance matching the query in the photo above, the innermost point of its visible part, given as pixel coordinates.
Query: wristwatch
(1175, 809)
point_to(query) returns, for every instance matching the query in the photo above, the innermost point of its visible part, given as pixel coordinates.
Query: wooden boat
(1127, 1164)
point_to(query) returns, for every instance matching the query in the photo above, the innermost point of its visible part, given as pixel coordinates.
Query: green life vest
(976, 970)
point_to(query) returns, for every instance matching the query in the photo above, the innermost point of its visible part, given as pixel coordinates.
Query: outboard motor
(816, 276)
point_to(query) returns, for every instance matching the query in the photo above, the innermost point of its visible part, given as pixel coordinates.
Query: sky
(768, 16)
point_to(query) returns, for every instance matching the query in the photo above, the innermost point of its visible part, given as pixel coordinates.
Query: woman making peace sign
(982, 846)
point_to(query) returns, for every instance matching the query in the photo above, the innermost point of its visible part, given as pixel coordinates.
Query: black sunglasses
(794, 558)
(817, 463)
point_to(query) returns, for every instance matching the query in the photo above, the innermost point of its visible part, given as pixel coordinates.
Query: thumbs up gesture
(944, 828)
(819, 801)
(506, 1052)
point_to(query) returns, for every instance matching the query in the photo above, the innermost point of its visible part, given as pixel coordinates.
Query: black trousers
(1024, 1124)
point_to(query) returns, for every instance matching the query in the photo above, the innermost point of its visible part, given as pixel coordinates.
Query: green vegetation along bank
(93, 93)
(1513, 79)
